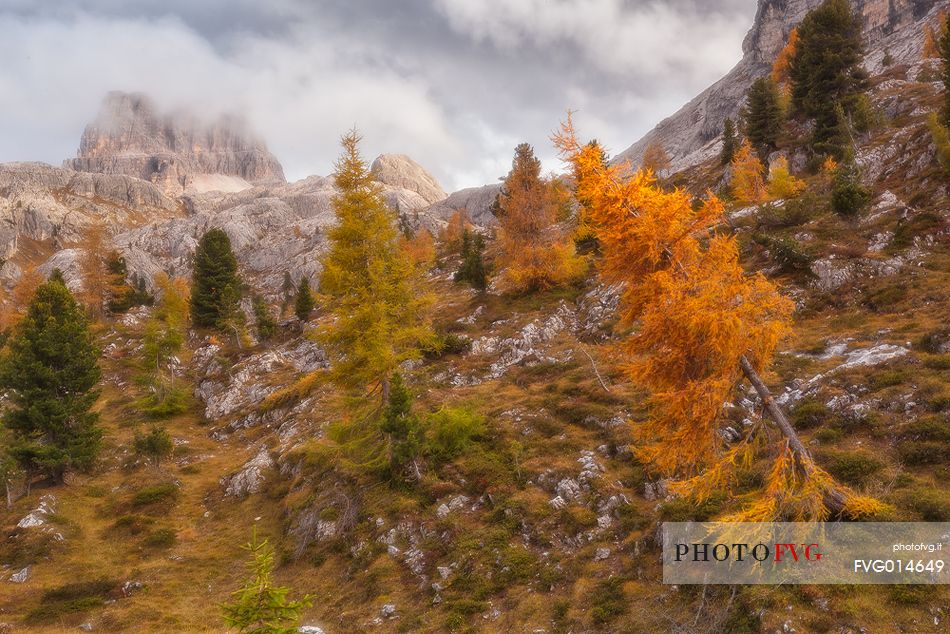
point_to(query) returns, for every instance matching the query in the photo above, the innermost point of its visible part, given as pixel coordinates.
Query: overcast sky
(455, 84)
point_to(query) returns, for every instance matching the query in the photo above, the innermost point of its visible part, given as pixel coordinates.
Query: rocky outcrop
(401, 172)
(692, 135)
(175, 151)
(477, 201)
(50, 207)
(272, 229)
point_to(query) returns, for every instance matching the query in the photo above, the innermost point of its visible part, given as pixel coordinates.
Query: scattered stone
(655, 490)
(468, 321)
(130, 587)
(880, 241)
(388, 611)
(525, 348)
(830, 275)
(21, 576)
(568, 489)
(310, 629)
(456, 503)
(601, 554)
(250, 478)
(38, 516)
(873, 356)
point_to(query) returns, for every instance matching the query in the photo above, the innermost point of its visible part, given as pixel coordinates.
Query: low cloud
(453, 83)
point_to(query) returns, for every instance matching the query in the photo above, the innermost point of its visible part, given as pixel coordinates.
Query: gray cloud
(453, 83)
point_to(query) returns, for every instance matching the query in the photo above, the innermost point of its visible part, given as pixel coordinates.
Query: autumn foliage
(372, 287)
(783, 61)
(538, 254)
(451, 235)
(13, 305)
(748, 182)
(782, 184)
(697, 316)
(92, 264)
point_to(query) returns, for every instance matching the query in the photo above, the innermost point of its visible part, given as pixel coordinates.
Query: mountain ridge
(691, 135)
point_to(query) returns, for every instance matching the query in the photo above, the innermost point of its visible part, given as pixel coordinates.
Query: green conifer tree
(826, 71)
(304, 304)
(403, 428)
(288, 292)
(216, 289)
(164, 337)
(848, 195)
(260, 607)
(472, 268)
(265, 322)
(730, 142)
(155, 445)
(50, 371)
(374, 291)
(762, 116)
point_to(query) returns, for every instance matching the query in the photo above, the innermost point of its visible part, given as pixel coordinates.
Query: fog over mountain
(456, 84)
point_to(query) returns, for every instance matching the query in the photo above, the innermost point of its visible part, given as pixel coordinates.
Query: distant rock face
(175, 151)
(44, 207)
(692, 135)
(400, 171)
(273, 229)
(476, 201)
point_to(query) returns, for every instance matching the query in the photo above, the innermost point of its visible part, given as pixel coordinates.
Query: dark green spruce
(303, 304)
(50, 371)
(472, 269)
(763, 117)
(826, 73)
(215, 287)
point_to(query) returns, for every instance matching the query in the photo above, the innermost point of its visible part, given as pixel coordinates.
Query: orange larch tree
(92, 264)
(451, 235)
(536, 252)
(748, 183)
(783, 61)
(13, 305)
(700, 324)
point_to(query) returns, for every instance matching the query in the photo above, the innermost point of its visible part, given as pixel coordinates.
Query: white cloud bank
(455, 83)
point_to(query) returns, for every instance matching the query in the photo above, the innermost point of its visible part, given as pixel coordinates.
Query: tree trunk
(834, 499)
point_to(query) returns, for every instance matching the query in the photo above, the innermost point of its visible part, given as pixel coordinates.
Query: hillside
(693, 134)
(530, 512)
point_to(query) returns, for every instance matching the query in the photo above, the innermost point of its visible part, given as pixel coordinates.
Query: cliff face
(692, 134)
(176, 152)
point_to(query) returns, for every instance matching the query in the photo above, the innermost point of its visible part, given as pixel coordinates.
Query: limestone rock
(173, 150)
(53, 206)
(250, 478)
(21, 576)
(477, 201)
(401, 172)
(273, 229)
(40, 515)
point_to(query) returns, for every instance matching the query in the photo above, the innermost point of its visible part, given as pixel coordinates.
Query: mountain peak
(177, 151)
